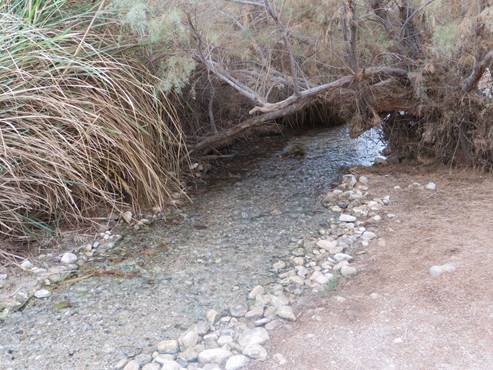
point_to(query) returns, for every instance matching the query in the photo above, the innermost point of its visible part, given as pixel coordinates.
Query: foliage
(81, 128)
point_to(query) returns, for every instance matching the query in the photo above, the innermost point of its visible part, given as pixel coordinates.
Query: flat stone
(347, 271)
(255, 313)
(236, 362)
(168, 346)
(286, 313)
(214, 355)
(344, 217)
(42, 293)
(253, 336)
(255, 351)
(68, 258)
(189, 338)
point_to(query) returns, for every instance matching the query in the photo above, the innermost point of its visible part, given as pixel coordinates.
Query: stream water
(250, 214)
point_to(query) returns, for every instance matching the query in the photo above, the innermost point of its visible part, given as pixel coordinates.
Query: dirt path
(394, 314)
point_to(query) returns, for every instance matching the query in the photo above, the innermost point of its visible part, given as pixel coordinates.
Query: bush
(81, 127)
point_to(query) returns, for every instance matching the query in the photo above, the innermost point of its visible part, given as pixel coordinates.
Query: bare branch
(471, 82)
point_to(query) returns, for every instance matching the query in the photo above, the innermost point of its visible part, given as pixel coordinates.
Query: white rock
(238, 311)
(346, 218)
(152, 366)
(189, 338)
(127, 217)
(368, 235)
(171, 365)
(286, 313)
(280, 359)
(225, 339)
(236, 362)
(168, 346)
(161, 359)
(255, 313)
(342, 257)
(279, 265)
(132, 365)
(211, 316)
(363, 180)
(214, 355)
(431, 186)
(42, 293)
(386, 200)
(26, 265)
(437, 270)
(347, 271)
(328, 245)
(349, 181)
(255, 351)
(258, 290)
(68, 258)
(253, 336)
(321, 278)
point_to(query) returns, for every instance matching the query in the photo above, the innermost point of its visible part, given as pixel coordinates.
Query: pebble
(347, 271)
(163, 358)
(342, 257)
(189, 338)
(170, 365)
(368, 235)
(238, 310)
(152, 366)
(26, 265)
(42, 293)
(132, 365)
(127, 216)
(168, 346)
(438, 270)
(320, 278)
(279, 265)
(253, 336)
(280, 359)
(344, 217)
(258, 290)
(431, 186)
(211, 316)
(286, 313)
(68, 258)
(255, 351)
(236, 362)
(214, 355)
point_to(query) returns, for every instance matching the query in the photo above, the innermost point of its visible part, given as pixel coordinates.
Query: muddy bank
(252, 213)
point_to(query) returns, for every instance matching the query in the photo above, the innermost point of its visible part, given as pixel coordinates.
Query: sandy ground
(394, 314)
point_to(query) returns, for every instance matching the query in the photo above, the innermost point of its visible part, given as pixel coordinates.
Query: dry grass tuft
(80, 129)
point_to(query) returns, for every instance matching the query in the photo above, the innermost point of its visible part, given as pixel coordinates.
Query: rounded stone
(132, 365)
(253, 336)
(236, 362)
(168, 346)
(347, 270)
(42, 293)
(255, 351)
(189, 338)
(171, 365)
(68, 258)
(214, 355)
(286, 312)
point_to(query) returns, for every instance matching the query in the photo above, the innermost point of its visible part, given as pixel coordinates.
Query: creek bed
(253, 210)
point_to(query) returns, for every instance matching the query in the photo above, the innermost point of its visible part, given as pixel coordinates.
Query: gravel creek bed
(251, 214)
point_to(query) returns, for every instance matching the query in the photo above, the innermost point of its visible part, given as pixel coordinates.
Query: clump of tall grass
(81, 128)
